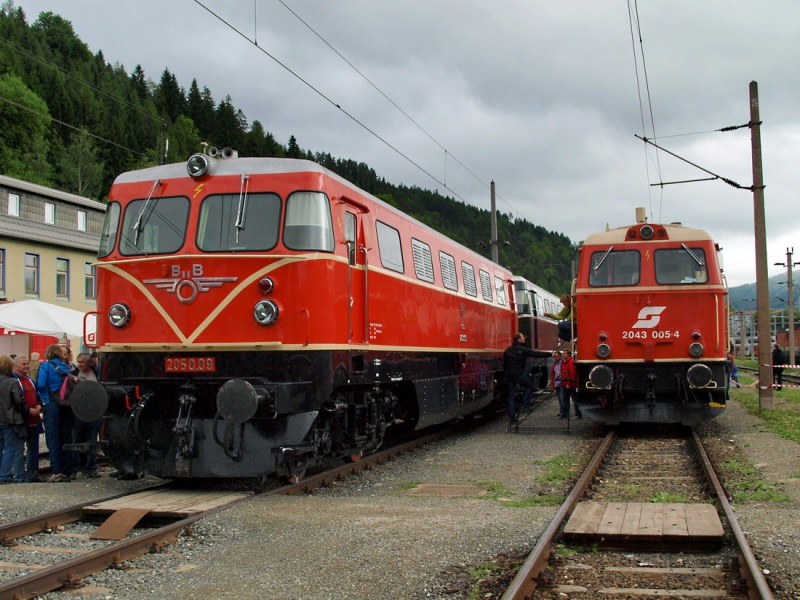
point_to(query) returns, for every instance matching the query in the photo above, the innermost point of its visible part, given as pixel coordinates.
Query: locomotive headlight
(601, 377)
(646, 232)
(197, 165)
(119, 314)
(266, 312)
(699, 376)
(266, 285)
(696, 349)
(603, 350)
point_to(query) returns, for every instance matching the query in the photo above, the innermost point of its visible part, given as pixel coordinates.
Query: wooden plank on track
(703, 520)
(612, 520)
(633, 514)
(585, 517)
(675, 519)
(119, 524)
(169, 502)
(652, 520)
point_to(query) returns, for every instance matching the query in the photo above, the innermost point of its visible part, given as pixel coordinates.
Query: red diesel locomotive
(652, 328)
(256, 315)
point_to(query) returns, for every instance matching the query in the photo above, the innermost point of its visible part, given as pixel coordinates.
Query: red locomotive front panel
(652, 331)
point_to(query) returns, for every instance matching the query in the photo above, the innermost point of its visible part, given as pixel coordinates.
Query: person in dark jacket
(514, 359)
(12, 424)
(778, 358)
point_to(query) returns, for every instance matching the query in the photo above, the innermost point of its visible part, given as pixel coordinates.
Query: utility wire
(392, 102)
(636, 33)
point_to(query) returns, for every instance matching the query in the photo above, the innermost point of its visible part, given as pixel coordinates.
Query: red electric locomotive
(652, 325)
(256, 315)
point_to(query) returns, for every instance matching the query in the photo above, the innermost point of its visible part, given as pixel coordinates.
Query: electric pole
(790, 300)
(765, 399)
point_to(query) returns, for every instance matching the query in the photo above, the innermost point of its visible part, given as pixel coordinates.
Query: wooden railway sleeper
(8, 542)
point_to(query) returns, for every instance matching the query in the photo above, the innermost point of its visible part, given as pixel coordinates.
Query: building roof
(51, 193)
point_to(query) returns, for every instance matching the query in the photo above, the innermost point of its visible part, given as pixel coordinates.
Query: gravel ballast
(372, 537)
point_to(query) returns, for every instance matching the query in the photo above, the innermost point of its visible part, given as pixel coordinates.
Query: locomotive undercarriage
(660, 393)
(239, 426)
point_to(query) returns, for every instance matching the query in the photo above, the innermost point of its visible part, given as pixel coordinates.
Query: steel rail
(748, 565)
(523, 585)
(69, 573)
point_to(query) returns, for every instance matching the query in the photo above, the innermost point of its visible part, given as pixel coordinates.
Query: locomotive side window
(233, 222)
(108, 238)
(486, 285)
(308, 222)
(448, 266)
(423, 262)
(350, 236)
(154, 226)
(609, 268)
(681, 266)
(501, 291)
(389, 247)
(468, 273)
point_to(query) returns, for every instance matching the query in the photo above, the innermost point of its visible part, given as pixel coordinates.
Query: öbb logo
(649, 317)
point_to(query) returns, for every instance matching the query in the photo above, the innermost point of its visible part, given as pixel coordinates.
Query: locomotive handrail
(366, 294)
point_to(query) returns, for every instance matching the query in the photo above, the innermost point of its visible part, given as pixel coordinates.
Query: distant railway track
(615, 529)
(788, 378)
(80, 563)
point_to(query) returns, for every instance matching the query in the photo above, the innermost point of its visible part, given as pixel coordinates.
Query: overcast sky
(541, 97)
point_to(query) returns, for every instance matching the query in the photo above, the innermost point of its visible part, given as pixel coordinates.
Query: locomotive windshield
(154, 226)
(681, 265)
(614, 267)
(227, 223)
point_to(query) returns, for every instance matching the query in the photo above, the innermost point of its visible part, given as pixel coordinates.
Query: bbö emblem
(187, 284)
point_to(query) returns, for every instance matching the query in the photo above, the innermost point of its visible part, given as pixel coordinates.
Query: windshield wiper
(692, 254)
(137, 227)
(602, 258)
(242, 208)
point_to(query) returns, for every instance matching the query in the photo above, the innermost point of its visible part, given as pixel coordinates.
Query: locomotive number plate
(195, 364)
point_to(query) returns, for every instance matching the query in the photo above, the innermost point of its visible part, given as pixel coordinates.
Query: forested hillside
(71, 120)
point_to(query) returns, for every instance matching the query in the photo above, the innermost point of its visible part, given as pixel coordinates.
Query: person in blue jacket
(57, 418)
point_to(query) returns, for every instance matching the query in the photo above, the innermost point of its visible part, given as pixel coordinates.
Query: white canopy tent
(35, 316)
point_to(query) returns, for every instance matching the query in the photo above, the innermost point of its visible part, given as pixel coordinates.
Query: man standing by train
(514, 359)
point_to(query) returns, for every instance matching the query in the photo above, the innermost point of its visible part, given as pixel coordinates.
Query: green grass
(744, 483)
(559, 468)
(410, 485)
(783, 419)
(533, 501)
(666, 497)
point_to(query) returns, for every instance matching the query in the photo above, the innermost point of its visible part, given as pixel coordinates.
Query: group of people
(29, 407)
(563, 378)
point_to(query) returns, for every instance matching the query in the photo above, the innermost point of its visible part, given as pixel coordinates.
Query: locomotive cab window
(154, 226)
(610, 268)
(108, 237)
(239, 222)
(308, 222)
(681, 266)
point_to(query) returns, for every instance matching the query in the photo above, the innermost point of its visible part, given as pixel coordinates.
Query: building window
(2, 271)
(81, 220)
(62, 278)
(49, 213)
(13, 205)
(32, 274)
(90, 284)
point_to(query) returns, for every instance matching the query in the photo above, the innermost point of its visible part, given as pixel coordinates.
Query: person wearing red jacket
(569, 382)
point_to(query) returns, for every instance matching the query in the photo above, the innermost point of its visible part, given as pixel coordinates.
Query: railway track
(789, 380)
(20, 579)
(638, 523)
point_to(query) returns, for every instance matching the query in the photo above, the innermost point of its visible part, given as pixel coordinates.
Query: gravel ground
(371, 537)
